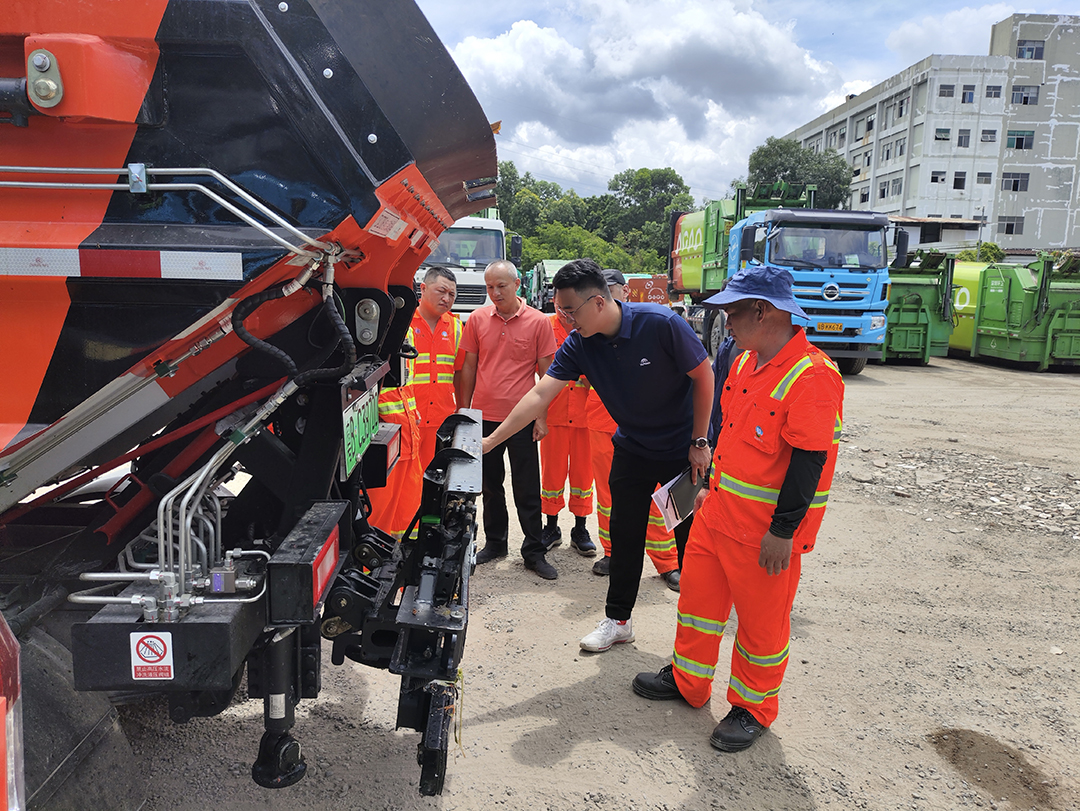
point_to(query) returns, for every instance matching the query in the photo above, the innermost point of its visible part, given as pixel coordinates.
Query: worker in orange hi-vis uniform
(659, 542)
(438, 339)
(565, 450)
(393, 506)
(782, 409)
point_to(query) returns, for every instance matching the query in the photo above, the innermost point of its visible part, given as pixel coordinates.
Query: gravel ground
(933, 660)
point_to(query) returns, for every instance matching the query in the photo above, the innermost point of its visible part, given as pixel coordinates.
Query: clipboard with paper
(675, 499)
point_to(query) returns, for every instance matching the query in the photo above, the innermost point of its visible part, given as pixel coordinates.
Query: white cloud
(964, 31)
(695, 85)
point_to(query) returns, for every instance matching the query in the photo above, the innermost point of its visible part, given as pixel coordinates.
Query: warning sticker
(388, 224)
(152, 656)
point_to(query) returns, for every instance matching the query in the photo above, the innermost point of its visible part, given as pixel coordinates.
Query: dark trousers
(525, 479)
(633, 479)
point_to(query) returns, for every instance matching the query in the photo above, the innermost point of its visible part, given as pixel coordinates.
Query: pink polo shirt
(507, 353)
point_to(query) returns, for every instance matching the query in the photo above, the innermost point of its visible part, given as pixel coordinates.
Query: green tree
(644, 194)
(507, 187)
(988, 252)
(568, 209)
(781, 159)
(525, 213)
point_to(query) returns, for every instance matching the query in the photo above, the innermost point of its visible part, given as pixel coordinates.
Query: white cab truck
(466, 248)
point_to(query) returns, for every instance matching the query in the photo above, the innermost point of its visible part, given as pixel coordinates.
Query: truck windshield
(828, 248)
(467, 247)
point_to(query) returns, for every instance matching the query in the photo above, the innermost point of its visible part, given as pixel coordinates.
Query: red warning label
(152, 656)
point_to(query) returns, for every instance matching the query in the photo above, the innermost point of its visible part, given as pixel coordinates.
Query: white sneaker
(608, 632)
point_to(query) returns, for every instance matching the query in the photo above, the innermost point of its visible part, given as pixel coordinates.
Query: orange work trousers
(566, 450)
(659, 543)
(427, 444)
(393, 506)
(719, 572)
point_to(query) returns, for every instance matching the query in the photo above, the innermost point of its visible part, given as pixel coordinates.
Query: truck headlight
(877, 321)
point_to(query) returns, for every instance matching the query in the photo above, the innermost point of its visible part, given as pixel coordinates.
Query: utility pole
(978, 242)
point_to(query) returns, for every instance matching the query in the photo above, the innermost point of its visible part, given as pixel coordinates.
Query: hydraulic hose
(245, 308)
(345, 339)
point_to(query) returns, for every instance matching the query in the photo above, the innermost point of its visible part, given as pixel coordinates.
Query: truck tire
(715, 324)
(849, 367)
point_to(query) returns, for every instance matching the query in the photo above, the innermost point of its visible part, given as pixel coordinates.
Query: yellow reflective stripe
(788, 380)
(444, 359)
(666, 545)
(819, 499)
(753, 696)
(551, 493)
(837, 430)
(656, 520)
(830, 363)
(766, 495)
(421, 377)
(743, 358)
(386, 409)
(444, 377)
(702, 624)
(605, 534)
(600, 508)
(577, 491)
(762, 661)
(692, 668)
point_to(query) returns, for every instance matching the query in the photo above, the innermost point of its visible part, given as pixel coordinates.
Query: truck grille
(850, 291)
(471, 294)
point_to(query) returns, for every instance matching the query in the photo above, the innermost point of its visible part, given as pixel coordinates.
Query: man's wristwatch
(700, 442)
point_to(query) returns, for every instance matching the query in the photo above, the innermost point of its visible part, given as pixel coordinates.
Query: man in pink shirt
(507, 344)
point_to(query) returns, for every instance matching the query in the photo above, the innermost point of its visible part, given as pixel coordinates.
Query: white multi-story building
(968, 137)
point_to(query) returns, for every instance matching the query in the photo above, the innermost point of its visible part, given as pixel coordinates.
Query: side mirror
(901, 258)
(515, 250)
(746, 243)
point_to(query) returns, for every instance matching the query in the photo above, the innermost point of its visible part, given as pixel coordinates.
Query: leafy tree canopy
(781, 159)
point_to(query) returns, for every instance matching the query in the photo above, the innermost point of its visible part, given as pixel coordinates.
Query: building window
(946, 91)
(1014, 181)
(897, 186)
(963, 138)
(901, 107)
(959, 180)
(842, 137)
(864, 195)
(1025, 94)
(886, 152)
(1020, 139)
(868, 157)
(883, 189)
(937, 177)
(900, 144)
(942, 134)
(988, 136)
(1029, 48)
(956, 216)
(933, 216)
(1010, 225)
(870, 122)
(993, 91)
(983, 178)
(860, 128)
(968, 96)
(832, 140)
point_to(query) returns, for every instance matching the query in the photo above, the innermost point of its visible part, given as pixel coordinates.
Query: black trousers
(633, 479)
(525, 479)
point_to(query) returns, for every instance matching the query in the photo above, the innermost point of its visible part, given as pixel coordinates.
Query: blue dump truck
(838, 260)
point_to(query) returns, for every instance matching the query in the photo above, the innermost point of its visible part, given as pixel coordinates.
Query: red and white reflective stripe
(95, 263)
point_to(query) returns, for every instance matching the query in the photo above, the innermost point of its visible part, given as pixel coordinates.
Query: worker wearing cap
(782, 411)
(437, 333)
(659, 542)
(565, 451)
(393, 506)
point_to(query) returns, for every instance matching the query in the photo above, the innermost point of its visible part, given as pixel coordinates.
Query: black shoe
(542, 568)
(550, 536)
(488, 554)
(657, 686)
(581, 542)
(602, 567)
(737, 731)
(672, 579)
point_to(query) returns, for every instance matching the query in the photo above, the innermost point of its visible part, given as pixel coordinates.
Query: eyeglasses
(569, 314)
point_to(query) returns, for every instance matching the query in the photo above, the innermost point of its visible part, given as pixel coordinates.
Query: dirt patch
(999, 770)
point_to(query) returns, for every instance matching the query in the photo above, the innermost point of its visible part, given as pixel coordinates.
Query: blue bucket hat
(760, 282)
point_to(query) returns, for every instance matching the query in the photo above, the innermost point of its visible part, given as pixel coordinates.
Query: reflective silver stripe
(819, 499)
(692, 668)
(551, 493)
(788, 380)
(767, 495)
(752, 696)
(665, 545)
(603, 510)
(577, 491)
(838, 428)
(605, 535)
(705, 626)
(745, 356)
(763, 661)
(656, 520)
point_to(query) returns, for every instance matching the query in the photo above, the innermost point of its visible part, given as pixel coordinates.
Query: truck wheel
(849, 367)
(714, 331)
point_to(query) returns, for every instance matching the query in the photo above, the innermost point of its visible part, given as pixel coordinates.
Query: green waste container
(920, 315)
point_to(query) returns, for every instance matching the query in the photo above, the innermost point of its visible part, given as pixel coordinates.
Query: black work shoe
(672, 579)
(737, 731)
(581, 542)
(657, 686)
(488, 554)
(602, 567)
(550, 536)
(542, 568)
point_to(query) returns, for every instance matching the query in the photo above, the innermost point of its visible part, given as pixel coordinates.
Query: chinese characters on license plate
(359, 422)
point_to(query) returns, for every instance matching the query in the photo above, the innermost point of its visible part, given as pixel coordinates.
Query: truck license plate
(359, 421)
(829, 327)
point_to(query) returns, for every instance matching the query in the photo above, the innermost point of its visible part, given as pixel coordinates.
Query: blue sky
(588, 88)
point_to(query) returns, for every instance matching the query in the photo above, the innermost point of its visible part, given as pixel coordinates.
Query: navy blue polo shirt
(641, 377)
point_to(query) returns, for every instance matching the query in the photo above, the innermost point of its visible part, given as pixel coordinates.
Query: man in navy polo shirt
(654, 377)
